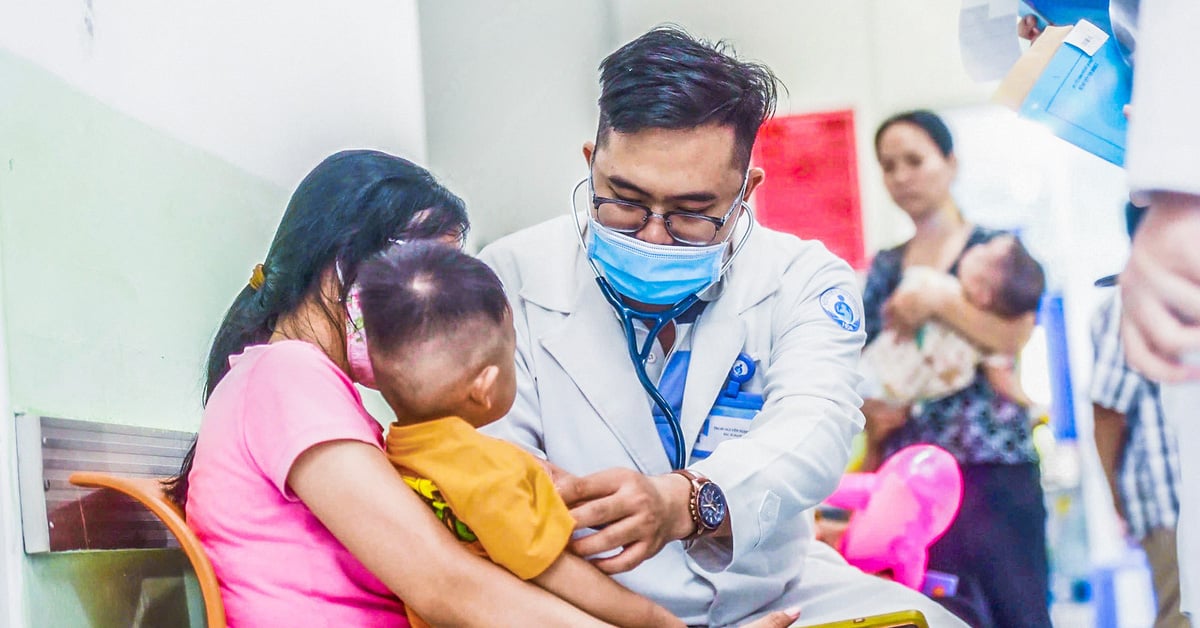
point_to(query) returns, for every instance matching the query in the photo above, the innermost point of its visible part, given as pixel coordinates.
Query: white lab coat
(579, 403)
(1164, 154)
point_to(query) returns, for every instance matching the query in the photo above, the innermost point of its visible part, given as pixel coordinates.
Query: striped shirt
(1148, 472)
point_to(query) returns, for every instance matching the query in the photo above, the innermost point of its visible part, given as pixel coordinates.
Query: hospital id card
(722, 425)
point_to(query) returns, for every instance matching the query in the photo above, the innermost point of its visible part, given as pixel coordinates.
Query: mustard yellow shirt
(498, 492)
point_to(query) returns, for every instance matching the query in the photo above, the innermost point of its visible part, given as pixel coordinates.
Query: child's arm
(578, 582)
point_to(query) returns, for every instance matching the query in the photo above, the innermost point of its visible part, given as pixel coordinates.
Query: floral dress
(976, 425)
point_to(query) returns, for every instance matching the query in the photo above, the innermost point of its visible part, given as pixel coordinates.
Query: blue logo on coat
(840, 308)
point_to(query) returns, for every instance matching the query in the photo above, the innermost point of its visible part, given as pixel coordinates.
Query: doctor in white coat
(698, 499)
(1160, 287)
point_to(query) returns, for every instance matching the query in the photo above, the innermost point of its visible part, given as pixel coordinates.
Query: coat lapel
(720, 333)
(717, 338)
(590, 347)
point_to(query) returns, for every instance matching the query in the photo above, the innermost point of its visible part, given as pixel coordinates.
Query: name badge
(733, 412)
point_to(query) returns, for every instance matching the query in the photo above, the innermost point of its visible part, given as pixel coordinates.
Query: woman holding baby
(984, 299)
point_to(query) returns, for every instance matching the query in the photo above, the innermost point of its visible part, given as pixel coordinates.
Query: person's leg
(1013, 568)
(833, 590)
(958, 553)
(1179, 403)
(1161, 554)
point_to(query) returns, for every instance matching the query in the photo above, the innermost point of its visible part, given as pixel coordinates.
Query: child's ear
(481, 386)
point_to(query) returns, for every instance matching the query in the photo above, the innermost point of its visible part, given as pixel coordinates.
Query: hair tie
(257, 277)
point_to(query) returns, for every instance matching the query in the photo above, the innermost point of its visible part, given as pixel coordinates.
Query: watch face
(711, 505)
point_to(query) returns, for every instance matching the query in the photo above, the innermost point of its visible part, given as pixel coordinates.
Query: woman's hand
(907, 310)
(883, 419)
(904, 314)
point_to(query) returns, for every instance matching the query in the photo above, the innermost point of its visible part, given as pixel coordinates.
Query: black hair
(1133, 218)
(1022, 282)
(346, 210)
(927, 121)
(667, 79)
(421, 290)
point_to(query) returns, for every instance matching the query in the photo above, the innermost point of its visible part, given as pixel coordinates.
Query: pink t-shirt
(278, 565)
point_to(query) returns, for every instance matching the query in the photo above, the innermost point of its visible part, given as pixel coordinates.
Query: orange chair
(149, 492)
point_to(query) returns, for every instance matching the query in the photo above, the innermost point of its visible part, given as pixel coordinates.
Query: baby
(998, 276)
(442, 347)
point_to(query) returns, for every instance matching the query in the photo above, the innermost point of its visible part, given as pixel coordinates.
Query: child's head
(440, 333)
(1000, 276)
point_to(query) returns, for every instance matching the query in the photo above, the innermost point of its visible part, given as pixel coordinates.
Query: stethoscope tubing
(627, 315)
(639, 356)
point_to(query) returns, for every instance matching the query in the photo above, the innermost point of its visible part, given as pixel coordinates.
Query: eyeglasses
(684, 227)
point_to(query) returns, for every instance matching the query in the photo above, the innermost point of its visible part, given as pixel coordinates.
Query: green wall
(120, 248)
(114, 588)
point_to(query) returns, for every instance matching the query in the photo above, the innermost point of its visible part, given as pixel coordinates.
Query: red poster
(811, 189)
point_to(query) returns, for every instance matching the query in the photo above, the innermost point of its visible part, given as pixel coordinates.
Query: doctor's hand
(635, 513)
(1160, 289)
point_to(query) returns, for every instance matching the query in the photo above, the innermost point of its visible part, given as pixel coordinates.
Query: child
(442, 347)
(998, 276)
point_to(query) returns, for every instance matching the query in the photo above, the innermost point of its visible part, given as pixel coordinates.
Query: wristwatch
(707, 505)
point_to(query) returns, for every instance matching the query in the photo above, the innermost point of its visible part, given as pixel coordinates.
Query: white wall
(272, 87)
(12, 603)
(150, 150)
(511, 86)
(511, 92)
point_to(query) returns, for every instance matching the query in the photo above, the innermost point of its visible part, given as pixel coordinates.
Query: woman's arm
(353, 489)
(992, 332)
(908, 310)
(883, 419)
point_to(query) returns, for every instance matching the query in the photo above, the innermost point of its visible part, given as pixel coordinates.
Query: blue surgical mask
(655, 274)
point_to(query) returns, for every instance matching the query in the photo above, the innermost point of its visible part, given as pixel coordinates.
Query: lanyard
(657, 321)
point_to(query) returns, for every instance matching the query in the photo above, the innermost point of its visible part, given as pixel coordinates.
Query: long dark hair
(346, 210)
(927, 121)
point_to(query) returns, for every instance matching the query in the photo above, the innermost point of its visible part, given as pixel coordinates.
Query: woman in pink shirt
(288, 487)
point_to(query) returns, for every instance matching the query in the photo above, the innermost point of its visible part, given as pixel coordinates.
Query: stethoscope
(656, 321)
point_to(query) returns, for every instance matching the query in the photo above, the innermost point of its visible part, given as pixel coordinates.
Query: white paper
(1001, 8)
(1087, 37)
(989, 43)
